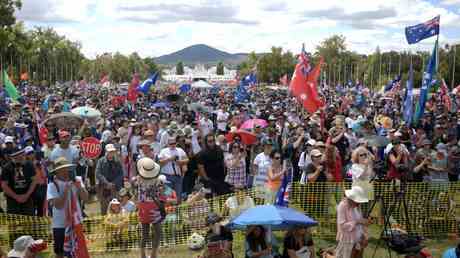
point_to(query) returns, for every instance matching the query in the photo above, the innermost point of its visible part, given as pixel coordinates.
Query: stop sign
(90, 148)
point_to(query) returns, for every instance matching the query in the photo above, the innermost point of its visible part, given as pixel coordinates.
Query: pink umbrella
(251, 123)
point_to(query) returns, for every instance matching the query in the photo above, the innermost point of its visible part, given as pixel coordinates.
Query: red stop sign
(90, 148)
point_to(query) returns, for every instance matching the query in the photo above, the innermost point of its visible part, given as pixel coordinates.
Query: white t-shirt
(171, 168)
(263, 163)
(164, 139)
(222, 118)
(58, 220)
(206, 126)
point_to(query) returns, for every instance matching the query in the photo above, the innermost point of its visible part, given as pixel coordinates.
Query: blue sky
(154, 28)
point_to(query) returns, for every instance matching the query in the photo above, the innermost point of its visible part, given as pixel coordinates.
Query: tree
(7, 9)
(220, 68)
(180, 68)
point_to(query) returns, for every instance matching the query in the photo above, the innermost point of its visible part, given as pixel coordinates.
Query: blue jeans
(175, 182)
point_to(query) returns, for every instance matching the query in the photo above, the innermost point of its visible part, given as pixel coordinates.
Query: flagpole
(452, 84)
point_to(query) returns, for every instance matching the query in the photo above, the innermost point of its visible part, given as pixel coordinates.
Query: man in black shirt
(18, 183)
(211, 167)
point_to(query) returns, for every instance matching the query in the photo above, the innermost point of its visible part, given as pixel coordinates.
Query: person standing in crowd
(58, 196)
(352, 233)
(39, 194)
(261, 164)
(173, 161)
(150, 204)
(235, 163)
(276, 172)
(362, 171)
(420, 172)
(316, 171)
(398, 159)
(211, 167)
(18, 181)
(127, 206)
(64, 149)
(222, 119)
(109, 173)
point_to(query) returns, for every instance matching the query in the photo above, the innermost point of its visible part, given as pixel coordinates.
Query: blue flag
(185, 88)
(409, 100)
(422, 31)
(241, 94)
(426, 83)
(145, 86)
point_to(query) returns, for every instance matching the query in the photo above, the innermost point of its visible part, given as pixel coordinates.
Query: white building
(199, 72)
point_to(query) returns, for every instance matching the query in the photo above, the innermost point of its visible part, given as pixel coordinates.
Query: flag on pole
(430, 70)
(145, 86)
(409, 100)
(282, 196)
(445, 98)
(74, 238)
(422, 31)
(304, 83)
(132, 89)
(9, 87)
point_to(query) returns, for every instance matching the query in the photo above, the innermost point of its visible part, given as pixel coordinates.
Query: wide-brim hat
(61, 163)
(357, 194)
(147, 168)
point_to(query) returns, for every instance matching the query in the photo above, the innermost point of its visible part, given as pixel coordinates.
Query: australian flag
(422, 31)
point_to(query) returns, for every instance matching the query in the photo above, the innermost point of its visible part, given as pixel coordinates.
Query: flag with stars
(422, 31)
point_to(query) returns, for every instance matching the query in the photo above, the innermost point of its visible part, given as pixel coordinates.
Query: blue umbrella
(160, 105)
(275, 217)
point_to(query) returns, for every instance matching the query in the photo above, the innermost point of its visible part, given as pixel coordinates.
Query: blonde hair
(356, 152)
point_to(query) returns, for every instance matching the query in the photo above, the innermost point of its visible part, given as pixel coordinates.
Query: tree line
(343, 66)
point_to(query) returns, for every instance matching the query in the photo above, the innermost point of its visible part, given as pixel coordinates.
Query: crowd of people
(155, 157)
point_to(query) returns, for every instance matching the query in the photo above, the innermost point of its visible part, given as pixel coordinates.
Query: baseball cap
(28, 150)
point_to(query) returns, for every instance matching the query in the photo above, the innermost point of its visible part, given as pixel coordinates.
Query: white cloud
(153, 29)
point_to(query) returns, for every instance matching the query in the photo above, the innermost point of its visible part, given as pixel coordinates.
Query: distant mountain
(202, 54)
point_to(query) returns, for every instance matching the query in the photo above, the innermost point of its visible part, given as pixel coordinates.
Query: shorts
(58, 237)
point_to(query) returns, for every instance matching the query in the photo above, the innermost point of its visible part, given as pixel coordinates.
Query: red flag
(284, 80)
(132, 89)
(304, 86)
(445, 95)
(74, 238)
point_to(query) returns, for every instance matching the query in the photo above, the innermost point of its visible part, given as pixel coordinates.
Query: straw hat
(357, 194)
(61, 163)
(147, 168)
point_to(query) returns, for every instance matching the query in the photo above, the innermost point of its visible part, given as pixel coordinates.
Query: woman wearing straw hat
(352, 235)
(150, 203)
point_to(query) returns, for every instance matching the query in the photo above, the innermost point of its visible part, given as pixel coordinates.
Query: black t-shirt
(213, 162)
(322, 175)
(290, 243)
(18, 177)
(343, 146)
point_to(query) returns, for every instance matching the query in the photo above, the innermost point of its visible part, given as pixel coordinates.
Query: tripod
(399, 202)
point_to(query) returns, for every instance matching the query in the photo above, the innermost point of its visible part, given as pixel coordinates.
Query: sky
(154, 28)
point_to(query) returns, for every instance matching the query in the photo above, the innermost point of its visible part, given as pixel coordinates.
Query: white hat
(20, 246)
(28, 150)
(357, 194)
(147, 168)
(311, 142)
(114, 201)
(9, 139)
(162, 178)
(110, 148)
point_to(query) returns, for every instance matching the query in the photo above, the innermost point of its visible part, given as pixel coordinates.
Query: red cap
(63, 134)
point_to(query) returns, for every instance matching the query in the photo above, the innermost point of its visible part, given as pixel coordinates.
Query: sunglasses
(363, 155)
(277, 158)
(316, 157)
(172, 143)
